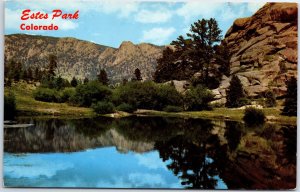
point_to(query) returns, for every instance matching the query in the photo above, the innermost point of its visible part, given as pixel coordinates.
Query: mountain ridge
(82, 58)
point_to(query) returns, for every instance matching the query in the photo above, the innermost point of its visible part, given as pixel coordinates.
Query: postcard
(150, 94)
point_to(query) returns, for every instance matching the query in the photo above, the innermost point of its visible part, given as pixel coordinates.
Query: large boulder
(263, 49)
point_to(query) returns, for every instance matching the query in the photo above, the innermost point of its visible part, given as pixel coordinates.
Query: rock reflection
(201, 153)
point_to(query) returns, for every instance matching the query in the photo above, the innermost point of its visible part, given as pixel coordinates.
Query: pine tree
(86, 80)
(74, 82)
(29, 74)
(137, 74)
(52, 65)
(290, 103)
(102, 77)
(234, 93)
(37, 76)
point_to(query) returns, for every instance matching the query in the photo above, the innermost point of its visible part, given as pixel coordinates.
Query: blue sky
(109, 22)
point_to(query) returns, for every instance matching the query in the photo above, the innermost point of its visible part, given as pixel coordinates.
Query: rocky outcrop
(263, 50)
(82, 58)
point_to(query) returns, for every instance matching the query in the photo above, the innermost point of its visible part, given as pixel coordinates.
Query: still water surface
(149, 152)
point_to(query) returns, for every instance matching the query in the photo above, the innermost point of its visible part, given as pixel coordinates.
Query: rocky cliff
(263, 50)
(82, 58)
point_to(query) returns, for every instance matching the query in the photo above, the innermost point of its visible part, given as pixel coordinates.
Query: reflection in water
(149, 152)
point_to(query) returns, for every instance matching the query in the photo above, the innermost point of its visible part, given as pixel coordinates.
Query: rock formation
(263, 50)
(82, 58)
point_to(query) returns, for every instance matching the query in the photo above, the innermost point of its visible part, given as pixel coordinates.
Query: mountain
(263, 50)
(82, 58)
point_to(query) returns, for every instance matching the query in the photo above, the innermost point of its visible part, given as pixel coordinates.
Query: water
(149, 152)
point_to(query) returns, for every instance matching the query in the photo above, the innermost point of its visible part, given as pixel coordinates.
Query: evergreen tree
(74, 82)
(137, 74)
(29, 74)
(290, 103)
(37, 73)
(102, 77)
(222, 57)
(52, 65)
(86, 80)
(191, 55)
(234, 93)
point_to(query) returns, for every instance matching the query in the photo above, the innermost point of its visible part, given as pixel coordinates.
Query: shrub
(198, 98)
(46, 95)
(253, 116)
(93, 91)
(235, 93)
(171, 108)
(66, 94)
(147, 95)
(270, 99)
(103, 107)
(290, 103)
(126, 107)
(243, 101)
(10, 109)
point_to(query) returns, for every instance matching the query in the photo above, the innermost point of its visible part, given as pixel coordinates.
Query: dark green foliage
(103, 107)
(191, 55)
(46, 95)
(253, 116)
(147, 95)
(270, 99)
(102, 77)
(10, 109)
(198, 98)
(235, 93)
(66, 94)
(93, 91)
(171, 108)
(58, 83)
(86, 80)
(52, 65)
(137, 74)
(126, 107)
(222, 57)
(290, 103)
(74, 82)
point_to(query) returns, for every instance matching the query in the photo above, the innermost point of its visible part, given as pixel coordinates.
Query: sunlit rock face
(83, 58)
(263, 49)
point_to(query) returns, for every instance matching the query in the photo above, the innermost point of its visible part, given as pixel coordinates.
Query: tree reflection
(190, 162)
(233, 134)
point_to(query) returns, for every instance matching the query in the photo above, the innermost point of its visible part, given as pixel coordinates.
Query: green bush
(89, 93)
(46, 95)
(147, 95)
(66, 94)
(290, 103)
(234, 93)
(253, 116)
(10, 108)
(243, 101)
(126, 107)
(171, 108)
(103, 107)
(197, 98)
(270, 99)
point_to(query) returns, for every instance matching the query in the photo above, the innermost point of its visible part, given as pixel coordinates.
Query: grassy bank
(273, 114)
(27, 105)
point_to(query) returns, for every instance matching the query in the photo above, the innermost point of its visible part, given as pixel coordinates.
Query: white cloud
(13, 21)
(157, 16)
(158, 35)
(145, 179)
(196, 8)
(151, 160)
(254, 6)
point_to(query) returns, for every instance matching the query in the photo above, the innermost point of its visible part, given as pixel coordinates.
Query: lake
(149, 152)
